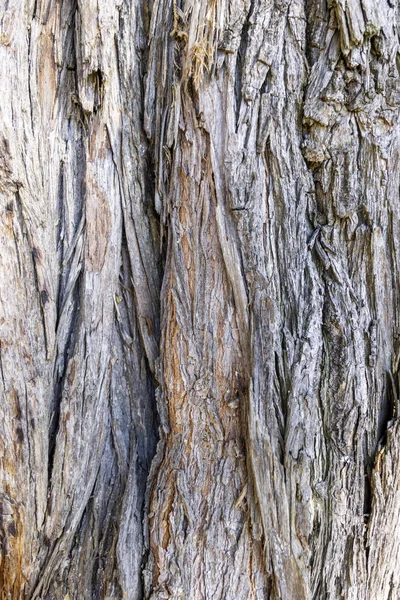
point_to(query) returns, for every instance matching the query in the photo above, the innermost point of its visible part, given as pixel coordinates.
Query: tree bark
(199, 300)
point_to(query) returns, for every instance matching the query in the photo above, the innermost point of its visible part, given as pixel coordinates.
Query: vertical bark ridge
(311, 358)
(86, 407)
(343, 110)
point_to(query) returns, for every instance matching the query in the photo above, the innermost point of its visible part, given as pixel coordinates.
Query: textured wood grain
(199, 300)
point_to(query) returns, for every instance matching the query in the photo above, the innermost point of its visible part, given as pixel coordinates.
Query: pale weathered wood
(199, 300)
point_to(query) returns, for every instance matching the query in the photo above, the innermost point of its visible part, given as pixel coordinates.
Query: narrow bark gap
(1, 369)
(60, 223)
(34, 9)
(386, 410)
(240, 61)
(368, 496)
(67, 354)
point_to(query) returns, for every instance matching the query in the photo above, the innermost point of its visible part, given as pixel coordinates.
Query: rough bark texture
(199, 300)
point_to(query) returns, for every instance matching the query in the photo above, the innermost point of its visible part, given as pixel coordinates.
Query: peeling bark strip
(199, 300)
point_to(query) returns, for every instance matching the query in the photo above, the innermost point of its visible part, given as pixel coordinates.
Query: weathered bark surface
(199, 300)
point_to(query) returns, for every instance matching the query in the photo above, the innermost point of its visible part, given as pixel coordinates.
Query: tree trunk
(199, 300)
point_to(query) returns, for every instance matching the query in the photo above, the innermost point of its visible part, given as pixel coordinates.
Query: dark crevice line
(1, 369)
(60, 239)
(17, 251)
(149, 469)
(240, 60)
(386, 411)
(34, 13)
(22, 227)
(30, 71)
(367, 504)
(84, 378)
(42, 297)
(68, 351)
(60, 212)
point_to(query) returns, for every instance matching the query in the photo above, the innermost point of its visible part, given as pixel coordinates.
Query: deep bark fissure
(241, 56)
